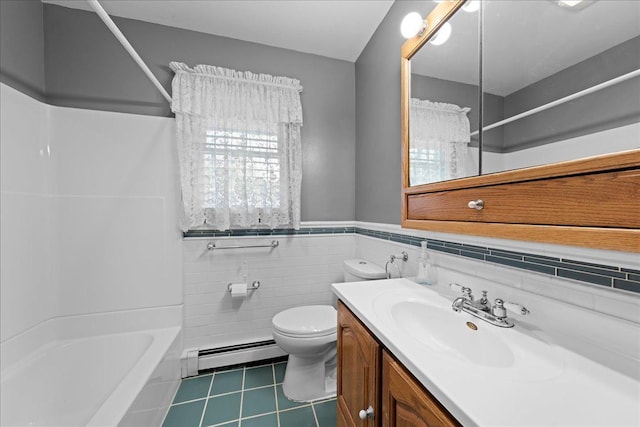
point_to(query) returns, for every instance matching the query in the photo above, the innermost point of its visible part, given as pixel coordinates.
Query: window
(239, 147)
(241, 168)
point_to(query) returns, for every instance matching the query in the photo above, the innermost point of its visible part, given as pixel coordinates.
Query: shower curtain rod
(95, 5)
(576, 95)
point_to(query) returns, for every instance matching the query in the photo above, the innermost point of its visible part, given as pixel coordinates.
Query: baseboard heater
(196, 360)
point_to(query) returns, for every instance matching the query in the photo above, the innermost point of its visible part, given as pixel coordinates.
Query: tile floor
(247, 396)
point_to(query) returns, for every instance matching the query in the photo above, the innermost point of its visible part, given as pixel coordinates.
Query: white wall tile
(511, 283)
(298, 272)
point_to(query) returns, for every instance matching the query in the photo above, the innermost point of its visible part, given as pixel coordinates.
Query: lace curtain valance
(238, 136)
(439, 135)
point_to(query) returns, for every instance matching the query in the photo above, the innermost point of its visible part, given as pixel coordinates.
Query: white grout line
(188, 401)
(315, 417)
(275, 393)
(244, 374)
(206, 402)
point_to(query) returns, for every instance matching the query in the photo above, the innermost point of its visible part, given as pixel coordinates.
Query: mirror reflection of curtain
(439, 137)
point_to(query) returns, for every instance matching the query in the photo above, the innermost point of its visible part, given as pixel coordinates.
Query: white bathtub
(109, 379)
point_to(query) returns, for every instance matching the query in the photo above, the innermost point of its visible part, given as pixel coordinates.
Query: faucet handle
(516, 308)
(466, 292)
(484, 299)
(498, 309)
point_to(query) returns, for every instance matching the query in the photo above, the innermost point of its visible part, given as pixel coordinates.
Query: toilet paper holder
(254, 285)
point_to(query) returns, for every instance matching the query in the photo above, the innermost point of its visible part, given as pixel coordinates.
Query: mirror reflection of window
(444, 108)
(439, 141)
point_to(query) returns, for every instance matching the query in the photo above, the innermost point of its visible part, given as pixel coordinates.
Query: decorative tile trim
(253, 232)
(599, 274)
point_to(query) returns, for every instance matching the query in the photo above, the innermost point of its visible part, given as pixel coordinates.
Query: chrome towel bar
(212, 246)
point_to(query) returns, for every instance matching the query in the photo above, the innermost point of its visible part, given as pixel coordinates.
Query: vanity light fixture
(412, 25)
(574, 4)
(471, 6)
(442, 35)
(570, 3)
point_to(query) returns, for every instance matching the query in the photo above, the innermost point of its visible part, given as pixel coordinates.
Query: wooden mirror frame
(601, 210)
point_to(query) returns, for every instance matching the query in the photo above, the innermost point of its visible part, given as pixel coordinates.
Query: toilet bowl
(308, 334)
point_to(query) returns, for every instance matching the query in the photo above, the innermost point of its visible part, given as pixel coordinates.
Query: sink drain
(472, 326)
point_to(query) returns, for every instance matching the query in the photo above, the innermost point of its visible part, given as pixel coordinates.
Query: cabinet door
(358, 366)
(405, 403)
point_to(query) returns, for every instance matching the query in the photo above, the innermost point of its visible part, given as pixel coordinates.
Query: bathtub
(126, 378)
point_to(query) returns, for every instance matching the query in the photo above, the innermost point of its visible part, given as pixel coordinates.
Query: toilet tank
(357, 269)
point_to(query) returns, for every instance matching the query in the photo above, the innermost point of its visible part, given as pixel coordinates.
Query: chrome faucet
(495, 314)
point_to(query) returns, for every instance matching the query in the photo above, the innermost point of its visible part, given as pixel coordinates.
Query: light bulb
(570, 3)
(471, 6)
(411, 25)
(442, 35)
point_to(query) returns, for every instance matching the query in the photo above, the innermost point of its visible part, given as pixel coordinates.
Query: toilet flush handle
(366, 413)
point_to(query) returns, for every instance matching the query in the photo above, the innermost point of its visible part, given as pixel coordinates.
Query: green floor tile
(270, 420)
(184, 415)
(193, 388)
(226, 382)
(258, 377)
(326, 413)
(258, 401)
(221, 409)
(231, 424)
(280, 368)
(284, 403)
(300, 417)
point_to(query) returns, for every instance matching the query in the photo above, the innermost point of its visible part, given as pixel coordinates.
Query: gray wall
(22, 46)
(87, 68)
(378, 147)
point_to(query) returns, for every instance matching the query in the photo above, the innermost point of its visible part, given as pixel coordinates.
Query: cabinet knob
(476, 204)
(366, 413)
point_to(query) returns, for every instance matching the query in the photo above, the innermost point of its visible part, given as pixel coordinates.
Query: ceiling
(333, 28)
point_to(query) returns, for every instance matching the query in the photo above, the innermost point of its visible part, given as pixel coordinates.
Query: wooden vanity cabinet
(358, 371)
(369, 376)
(405, 402)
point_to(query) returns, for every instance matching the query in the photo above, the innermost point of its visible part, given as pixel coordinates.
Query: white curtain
(439, 136)
(239, 149)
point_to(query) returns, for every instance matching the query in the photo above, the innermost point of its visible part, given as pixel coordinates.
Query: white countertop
(547, 386)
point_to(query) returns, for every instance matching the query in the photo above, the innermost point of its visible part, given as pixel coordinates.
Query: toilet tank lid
(307, 320)
(365, 269)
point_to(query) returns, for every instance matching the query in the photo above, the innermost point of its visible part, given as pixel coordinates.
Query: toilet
(357, 269)
(308, 334)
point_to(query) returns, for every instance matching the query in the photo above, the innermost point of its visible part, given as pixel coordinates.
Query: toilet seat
(307, 321)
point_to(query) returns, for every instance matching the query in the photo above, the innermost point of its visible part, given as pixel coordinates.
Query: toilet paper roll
(238, 290)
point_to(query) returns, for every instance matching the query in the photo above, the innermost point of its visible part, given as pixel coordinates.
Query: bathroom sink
(428, 322)
(448, 332)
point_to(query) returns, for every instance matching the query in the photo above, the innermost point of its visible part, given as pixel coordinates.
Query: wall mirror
(537, 122)
(586, 55)
(445, 103)
(583, 58)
